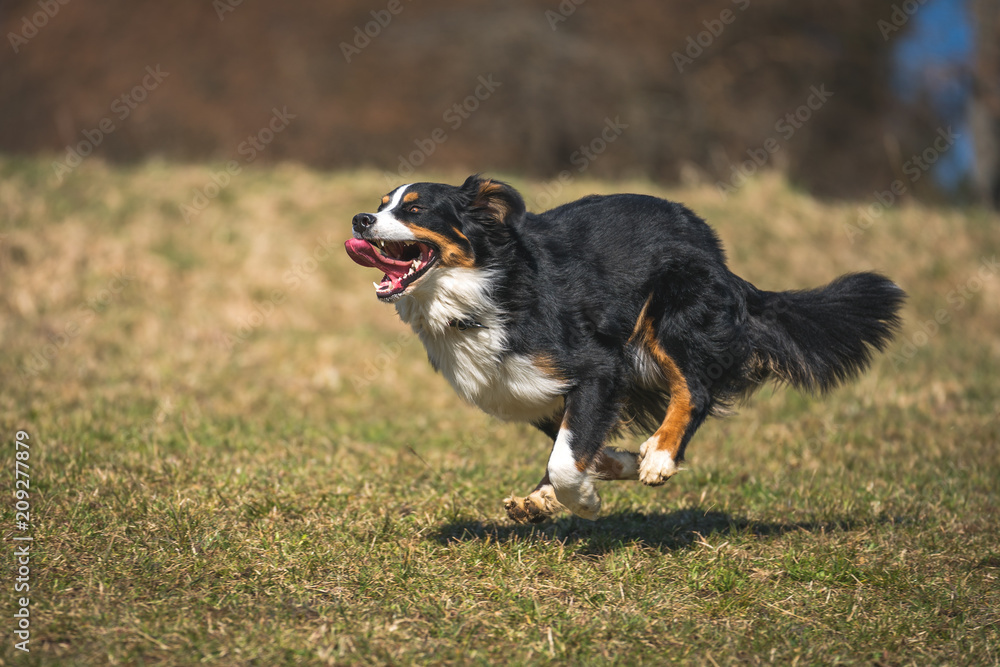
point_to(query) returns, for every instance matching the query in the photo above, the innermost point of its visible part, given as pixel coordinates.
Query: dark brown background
(558, 86)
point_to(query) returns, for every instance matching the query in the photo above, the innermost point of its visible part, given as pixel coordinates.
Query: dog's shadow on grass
(666, 531)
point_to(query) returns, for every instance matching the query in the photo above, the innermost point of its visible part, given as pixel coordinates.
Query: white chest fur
(476, 361)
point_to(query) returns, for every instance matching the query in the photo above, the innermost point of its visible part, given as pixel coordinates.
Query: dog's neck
(448, 295)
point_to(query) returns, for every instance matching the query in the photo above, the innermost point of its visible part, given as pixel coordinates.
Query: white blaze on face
(387, 227)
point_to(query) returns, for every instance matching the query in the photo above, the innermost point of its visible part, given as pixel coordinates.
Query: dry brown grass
(301, 488)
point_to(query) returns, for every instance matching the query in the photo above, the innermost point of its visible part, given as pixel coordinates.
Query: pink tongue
(364, 254)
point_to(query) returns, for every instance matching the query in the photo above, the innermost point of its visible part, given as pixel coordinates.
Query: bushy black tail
(816, 339)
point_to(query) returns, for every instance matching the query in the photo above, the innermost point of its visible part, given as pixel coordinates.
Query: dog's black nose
(363, 221)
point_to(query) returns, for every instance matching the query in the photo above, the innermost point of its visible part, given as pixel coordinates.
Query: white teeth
(376, 285)
(382, 243)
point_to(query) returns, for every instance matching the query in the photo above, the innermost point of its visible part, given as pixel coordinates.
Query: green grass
(240, 457)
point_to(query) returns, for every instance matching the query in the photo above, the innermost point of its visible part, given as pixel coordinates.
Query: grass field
(238, 456)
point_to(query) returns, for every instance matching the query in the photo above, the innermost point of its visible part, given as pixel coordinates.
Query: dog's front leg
(591, 412)
(537, 506)
(577, 446)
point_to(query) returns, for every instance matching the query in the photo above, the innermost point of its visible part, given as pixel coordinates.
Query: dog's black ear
(495, 199)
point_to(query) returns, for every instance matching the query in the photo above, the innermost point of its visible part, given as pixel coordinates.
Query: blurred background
(841, 97)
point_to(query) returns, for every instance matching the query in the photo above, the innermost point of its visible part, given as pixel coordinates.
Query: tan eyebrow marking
(385, 199)
(410, 196)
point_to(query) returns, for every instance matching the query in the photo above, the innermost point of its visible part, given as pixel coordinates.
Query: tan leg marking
(612, 464)
(658, 454)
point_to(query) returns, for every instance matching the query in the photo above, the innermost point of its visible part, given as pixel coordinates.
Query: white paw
(656, 466)
(582, 499)
(573, 486)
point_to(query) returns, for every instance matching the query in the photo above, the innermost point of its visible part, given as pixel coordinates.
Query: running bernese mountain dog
(606, 314)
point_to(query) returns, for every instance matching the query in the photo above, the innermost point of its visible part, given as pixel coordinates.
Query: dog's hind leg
(689, 405)
(612, 464)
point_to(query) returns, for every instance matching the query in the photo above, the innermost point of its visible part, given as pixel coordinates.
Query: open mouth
(403, 263)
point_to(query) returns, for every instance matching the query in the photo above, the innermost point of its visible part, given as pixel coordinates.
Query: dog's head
(422, 227)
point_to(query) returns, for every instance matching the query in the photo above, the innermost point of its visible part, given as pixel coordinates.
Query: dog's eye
(414, 208)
